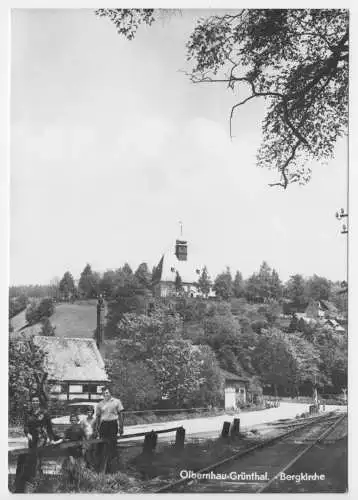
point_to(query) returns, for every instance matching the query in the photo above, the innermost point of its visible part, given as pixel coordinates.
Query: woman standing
(37, 425)
(39, 432)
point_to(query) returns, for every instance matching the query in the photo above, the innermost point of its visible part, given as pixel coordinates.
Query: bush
(35, 312)
(47, 329)
(17, 305)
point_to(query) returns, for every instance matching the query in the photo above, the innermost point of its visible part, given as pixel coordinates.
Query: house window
(91, 388)
(76, 388)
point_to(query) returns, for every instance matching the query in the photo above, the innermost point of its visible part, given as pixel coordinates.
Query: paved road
(211, 426)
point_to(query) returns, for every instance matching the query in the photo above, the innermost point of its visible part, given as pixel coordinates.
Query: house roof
(233, 376)
(328, 306)
(75, 359)
(335, 324)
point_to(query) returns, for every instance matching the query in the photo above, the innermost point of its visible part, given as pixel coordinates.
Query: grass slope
(19, 321)
(71, 320)
(75, 320)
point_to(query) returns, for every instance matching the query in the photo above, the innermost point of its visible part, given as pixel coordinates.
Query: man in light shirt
(109, 419)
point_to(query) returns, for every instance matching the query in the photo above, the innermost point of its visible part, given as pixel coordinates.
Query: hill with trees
(282, 336)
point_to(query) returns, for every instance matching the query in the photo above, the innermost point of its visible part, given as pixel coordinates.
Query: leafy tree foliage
(295, 291)
(297, 60)
(333, 348)
(47, 329)
(143, 275)
(294, 59)
(339, 297)
(67, 286)
(191, 309)
(223, 285)
(238, 285)
(29, 291)
(88, 285)
(231, 343)
(108, 282)
(125, 294)
(174, 366)
(26, 373)
(54, 288)
(210, 379)
(178, 282)
(127, 21)
(36, 312)
(270, 311)
(284, 361)
(204, 282)
(318, 288)
(276, 289)
(264, 285)
(132, 381)
(17, 305)
(305, 361)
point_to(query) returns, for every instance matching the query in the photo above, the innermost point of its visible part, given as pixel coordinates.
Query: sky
(112, 146)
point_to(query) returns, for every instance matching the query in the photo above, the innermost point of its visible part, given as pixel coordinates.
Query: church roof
(186, 269)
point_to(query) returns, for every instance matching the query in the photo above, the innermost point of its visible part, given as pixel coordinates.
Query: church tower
(181, 246)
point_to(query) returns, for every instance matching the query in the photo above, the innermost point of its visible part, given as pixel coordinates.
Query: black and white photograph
(178, 250)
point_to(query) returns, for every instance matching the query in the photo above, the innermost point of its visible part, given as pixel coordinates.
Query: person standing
(37, 425)
(109, 422)
(88, 424)
(72, 465)
(39, 432)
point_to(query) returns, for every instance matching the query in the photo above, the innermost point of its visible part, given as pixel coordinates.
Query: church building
(176, 275)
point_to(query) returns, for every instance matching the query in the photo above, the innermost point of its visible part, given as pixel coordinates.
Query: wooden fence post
(19, 478)
(235, 429)
(225, 430)
(25, 471)
(150, 442)
(180, 438)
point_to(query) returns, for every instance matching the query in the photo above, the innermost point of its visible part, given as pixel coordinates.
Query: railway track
(256, 469)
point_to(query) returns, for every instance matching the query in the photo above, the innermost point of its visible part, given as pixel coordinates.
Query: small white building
(235, 390)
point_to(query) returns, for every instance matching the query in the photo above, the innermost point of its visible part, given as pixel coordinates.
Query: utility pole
(341, 215)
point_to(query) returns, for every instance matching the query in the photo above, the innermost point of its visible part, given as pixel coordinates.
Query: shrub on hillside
(36, 312)
(17, 305)
(47, 330)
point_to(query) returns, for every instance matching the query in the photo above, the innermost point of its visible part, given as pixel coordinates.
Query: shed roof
(233, 376)
(75, 359)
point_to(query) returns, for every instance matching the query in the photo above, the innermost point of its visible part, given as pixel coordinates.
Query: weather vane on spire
(181, 246)
(181, 228)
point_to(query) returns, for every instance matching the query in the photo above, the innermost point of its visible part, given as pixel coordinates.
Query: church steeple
(181, 246)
